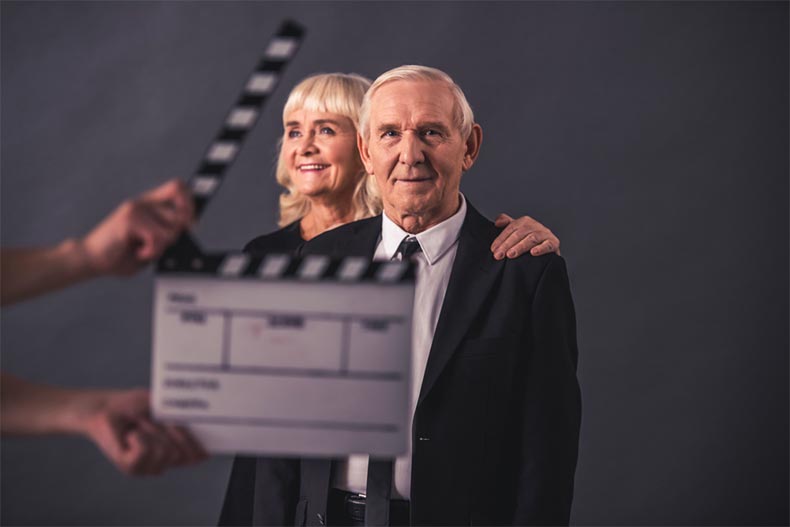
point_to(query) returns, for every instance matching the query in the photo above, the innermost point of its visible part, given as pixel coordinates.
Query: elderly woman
(326, 186)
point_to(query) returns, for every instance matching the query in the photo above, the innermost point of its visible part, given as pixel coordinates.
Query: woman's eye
(294, 133)
(327, 131)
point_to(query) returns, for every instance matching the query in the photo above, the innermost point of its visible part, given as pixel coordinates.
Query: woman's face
(320, 153)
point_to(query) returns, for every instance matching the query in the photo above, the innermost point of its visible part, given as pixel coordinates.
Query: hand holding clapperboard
(280, 355)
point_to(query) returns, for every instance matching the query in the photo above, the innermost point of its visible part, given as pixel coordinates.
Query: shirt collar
(434, 242)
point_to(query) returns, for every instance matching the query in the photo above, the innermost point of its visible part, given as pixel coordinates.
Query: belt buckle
(355, 506)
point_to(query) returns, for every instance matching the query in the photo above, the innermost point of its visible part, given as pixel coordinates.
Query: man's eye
(389, 133)
(430, 133)
(327, 131)
(294, 133)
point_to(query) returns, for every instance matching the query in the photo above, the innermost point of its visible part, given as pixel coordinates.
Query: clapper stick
(241, 118)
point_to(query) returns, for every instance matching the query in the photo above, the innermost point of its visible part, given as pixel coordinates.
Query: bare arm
(117, 421)
(29, 272)
(135, 233)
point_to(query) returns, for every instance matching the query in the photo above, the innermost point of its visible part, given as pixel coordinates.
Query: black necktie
(379, 487)
(377, 494)
(408, 248)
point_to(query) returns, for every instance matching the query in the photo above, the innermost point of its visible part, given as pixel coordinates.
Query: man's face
(416, 152)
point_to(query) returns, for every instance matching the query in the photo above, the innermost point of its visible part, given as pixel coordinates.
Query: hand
(522, 235)
(119, 422)
(139, 230)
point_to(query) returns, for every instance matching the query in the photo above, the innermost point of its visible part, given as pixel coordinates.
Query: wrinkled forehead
(410, 102)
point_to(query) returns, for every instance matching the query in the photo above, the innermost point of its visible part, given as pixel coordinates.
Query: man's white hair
(463, 117)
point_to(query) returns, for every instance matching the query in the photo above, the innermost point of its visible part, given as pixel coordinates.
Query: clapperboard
(279, 355)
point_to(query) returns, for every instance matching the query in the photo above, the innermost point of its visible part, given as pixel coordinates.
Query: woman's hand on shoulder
(522, 235)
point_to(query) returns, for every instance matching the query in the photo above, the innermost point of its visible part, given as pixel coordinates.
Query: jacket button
(423, 439)
(321, 519)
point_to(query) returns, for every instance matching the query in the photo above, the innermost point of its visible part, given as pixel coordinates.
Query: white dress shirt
(439, 245)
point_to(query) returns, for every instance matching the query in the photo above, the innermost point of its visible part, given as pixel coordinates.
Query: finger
(514, 236)
(171, 214)
(140, 402)
(169, 221)
(146, 244)
(153, 454)
(151, 238)
(546, 247)
(515, 246)
(110, 439)
(175, 196)
(168, 190)
(164, 214)
(136, 459)
(524, 247)
(191, 449)
(518, 247)
(154, 459)
(167, 452)
(178, 442)
(502, 220)
(497, 245)
(184, 204)
(548, 243)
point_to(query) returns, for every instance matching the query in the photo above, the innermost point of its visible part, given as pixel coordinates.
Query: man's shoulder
(536, 266)
(532, 273)
(484, 232)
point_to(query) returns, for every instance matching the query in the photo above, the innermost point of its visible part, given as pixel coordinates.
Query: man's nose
(411, 152)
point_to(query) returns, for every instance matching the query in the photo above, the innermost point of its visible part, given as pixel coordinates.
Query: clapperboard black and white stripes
(285, 267)
(277, 354)
(244, 114)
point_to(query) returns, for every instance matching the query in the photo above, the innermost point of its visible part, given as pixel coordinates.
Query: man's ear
(473, 143)
(364, 154)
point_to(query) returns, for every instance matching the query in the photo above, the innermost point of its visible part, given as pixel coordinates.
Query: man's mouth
(413, 180)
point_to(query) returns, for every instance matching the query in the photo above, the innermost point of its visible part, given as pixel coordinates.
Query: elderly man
(496, 402)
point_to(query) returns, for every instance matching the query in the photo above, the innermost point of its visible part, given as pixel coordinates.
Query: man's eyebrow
(435, 125)
(387, 126)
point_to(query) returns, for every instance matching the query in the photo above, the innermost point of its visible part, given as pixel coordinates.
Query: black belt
(346, 508)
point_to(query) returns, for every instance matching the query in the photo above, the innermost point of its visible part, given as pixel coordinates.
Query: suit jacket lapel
(365, 238)
(473, 274)
(359, 238)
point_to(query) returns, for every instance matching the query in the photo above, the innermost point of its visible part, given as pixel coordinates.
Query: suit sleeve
(552, 417)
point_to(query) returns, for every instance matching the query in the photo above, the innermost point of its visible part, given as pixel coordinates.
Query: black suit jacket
(496, 428)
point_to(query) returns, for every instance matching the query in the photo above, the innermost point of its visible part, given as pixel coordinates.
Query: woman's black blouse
(284, 241)
(280, 474)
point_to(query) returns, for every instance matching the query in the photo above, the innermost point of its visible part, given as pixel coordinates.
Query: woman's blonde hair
(338, 93)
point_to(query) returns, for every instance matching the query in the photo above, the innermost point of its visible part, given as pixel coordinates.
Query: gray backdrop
(652, 137)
